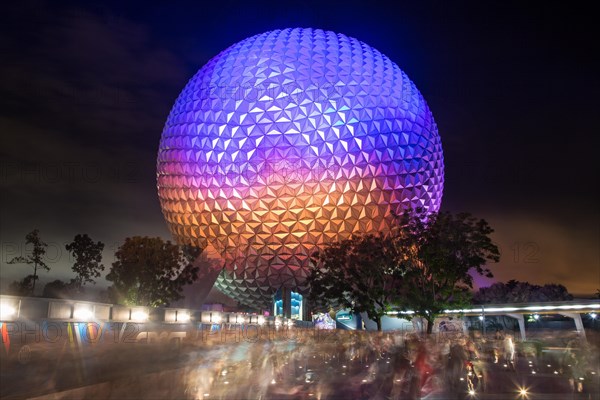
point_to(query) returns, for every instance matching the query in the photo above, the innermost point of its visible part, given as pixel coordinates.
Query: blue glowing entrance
(288, 304)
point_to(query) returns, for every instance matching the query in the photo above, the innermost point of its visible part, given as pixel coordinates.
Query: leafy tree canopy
(521, 292)
(423, 265)
(58, 289)
(437, 254)
(24, 287)
(359, 274)
(149, 271)
(87, 256)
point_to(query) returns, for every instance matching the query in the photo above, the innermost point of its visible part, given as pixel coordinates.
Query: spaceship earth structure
(289, 140)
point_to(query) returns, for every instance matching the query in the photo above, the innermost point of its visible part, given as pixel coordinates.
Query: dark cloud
(84, 103)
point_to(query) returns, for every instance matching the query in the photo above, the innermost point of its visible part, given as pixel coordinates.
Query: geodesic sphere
(289, 140)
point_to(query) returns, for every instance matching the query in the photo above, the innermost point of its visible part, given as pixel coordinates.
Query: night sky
(85, 92)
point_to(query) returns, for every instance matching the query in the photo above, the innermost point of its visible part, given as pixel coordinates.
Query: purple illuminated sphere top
(289, 140)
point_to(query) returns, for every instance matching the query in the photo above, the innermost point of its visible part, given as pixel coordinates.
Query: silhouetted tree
(23, 287)
(422, 266)
(87, 259)
(150, 271)
(436, 254)
(58, 289)
(553, 292)
(358, 273)
(35, 259)
(521, 292)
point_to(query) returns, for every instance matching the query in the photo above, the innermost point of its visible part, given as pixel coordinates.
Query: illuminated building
(289, 140)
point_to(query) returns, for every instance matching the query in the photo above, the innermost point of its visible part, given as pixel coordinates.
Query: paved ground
(339, 366)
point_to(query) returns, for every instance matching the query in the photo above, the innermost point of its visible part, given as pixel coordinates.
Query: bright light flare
(139, 315)
(7, 311)
(523, 392)
(183, 317)
(84, 314)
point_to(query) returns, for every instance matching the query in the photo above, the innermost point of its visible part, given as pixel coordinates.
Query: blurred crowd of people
(368, 365)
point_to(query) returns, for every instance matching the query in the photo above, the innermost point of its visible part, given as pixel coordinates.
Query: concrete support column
(578, 323)
(465, 324)
(358, 321)
(286, 297)
(305, 309)
(521, 320)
